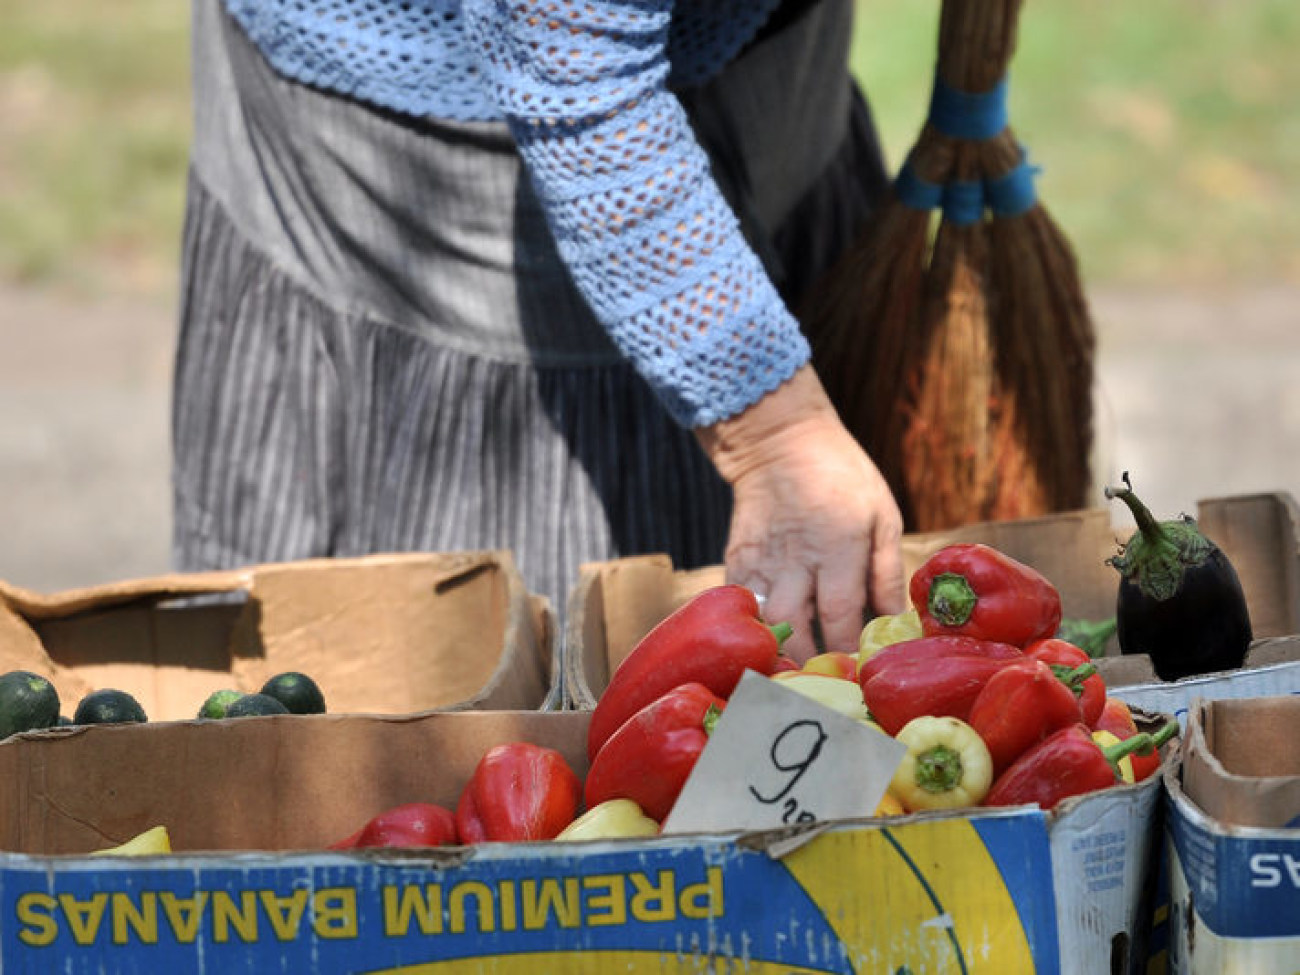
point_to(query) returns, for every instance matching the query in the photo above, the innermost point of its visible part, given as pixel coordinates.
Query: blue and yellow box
(251, 804)
(1233, 842)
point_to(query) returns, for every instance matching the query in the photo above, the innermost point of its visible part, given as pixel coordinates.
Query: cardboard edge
(521, 680)
(551, 648)
(47, 606)
(585, 604)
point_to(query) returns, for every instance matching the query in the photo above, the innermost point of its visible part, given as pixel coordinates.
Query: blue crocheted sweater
(585, 87)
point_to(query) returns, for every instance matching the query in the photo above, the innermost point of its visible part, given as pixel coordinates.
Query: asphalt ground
(1198, 397)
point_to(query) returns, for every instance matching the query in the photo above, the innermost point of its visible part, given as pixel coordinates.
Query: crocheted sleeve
(633, 208)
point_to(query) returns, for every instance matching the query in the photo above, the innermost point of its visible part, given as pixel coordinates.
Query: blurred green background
(1168, 132)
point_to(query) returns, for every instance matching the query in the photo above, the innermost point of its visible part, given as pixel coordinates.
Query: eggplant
(1180, 601)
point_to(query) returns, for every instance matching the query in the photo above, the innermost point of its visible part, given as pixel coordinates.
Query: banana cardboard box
(252, 803)
(1234, 839)
(381, 633)
(1112, 907)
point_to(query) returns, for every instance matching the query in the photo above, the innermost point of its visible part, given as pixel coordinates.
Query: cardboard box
(1101, 848)
(935, 893)
(616, 603)
(1234, 839)
(384, 634)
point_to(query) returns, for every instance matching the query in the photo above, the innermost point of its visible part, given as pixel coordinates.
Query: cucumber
(27, 701)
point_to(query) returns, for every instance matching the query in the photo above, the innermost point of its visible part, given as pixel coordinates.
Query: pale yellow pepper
(884, 630)
(612, 819)
(843, 696)
(947, 765)
(150, 842)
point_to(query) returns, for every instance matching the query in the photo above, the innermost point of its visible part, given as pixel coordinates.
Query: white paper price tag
(776, 758)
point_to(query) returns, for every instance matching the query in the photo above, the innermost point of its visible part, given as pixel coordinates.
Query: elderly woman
(516, 274)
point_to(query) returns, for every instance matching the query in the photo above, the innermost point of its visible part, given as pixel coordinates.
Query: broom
(961, 359)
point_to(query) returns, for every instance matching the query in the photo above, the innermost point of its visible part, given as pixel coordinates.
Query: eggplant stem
(1146, 522)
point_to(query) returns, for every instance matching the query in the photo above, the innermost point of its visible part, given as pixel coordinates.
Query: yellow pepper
(151, 841)
(612, 819)
(947, 765)
(890, 806)
(1105, 739)
(844, 696)
(884, 630)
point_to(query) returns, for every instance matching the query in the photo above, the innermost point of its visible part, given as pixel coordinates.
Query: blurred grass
(94, 107)
(1168, 132)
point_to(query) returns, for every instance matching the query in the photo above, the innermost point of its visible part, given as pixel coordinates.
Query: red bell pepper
(650, 756)
(1116, 718)
(712, 640)
(939, 687)
(412, 824)
(934, 648)
(1065, 657)
(974, 590)
(518, 792)
(1068, 763)
(1020, 705)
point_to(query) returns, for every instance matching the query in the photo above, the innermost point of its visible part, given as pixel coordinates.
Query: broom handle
(976, 41)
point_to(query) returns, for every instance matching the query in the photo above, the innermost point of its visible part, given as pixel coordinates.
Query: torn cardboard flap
(382, 634)
(1240, 761)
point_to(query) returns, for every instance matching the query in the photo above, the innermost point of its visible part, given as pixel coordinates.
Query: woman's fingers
(791, 601)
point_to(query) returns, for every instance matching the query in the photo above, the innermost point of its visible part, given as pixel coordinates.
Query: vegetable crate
(932, 893)
(385, 633)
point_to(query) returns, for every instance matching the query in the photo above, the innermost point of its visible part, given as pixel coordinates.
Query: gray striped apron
(380, 349)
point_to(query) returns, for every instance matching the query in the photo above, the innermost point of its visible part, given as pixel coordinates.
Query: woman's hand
(814, 527)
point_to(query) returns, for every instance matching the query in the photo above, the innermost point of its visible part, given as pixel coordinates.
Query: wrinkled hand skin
(814, 527)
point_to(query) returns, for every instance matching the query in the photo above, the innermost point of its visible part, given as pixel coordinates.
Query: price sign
(777, 758)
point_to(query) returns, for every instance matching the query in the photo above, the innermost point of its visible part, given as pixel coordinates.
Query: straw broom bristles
(965, 370)
(1045, 340)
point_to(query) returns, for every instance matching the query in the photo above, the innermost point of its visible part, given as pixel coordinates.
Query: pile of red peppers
(994, 710)
(646, 733)
(988, 658)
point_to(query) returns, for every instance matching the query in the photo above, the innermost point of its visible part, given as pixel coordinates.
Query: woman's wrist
(762, 433)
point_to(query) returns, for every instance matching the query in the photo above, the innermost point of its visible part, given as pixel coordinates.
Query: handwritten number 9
(793, 751)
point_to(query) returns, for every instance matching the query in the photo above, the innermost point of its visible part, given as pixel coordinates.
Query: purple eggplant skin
(1203, 628)
(1180, 600)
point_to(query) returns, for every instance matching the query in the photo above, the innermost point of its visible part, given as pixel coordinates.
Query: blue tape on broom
(1013, 194)
(963, 202)
(967, 115)
(915, 192)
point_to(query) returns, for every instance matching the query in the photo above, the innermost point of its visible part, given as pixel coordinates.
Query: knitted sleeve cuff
(631, 202)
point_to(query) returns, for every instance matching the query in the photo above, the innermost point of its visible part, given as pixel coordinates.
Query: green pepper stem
(1073, 679)
(1146, 522)
(711, 717)
(782, 631)
(1140, 744)
(951, 600)
(938, 769)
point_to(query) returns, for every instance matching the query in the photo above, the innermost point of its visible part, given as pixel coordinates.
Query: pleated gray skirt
(380, 349)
